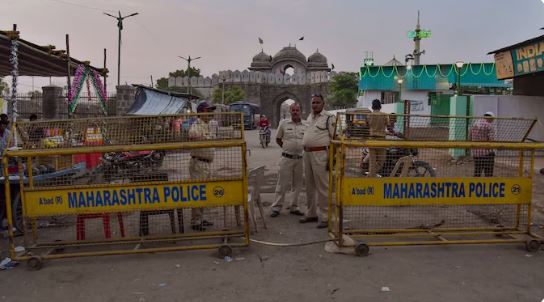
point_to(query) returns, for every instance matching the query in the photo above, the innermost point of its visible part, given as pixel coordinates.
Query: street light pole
(189, 59)
(459, 65)
(120, 26)
(223, 93)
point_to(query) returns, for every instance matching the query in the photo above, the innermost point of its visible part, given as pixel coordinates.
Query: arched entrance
(281, 106)
(285, 112)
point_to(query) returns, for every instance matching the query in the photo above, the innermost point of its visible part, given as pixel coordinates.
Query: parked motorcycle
(264, 136)
(418, 168)
(120, 165)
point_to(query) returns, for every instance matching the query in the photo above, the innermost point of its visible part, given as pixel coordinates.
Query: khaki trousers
(377, 158)
(317, 183)
(198, 170)
(289, 176)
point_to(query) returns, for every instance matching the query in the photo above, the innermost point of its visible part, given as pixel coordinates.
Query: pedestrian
(289, 137)
(316, 142)
(4, 135)
(201, 158)
(35, 133)
(482, 131)
(377, 122)
(4, 118)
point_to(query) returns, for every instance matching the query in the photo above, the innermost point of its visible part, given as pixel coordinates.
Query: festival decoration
(85, 74)
(431, 72)
(14, 60)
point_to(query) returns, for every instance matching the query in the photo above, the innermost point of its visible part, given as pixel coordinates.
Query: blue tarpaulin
(149, 101)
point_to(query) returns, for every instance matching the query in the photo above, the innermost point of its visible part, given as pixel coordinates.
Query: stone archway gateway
(266, 82)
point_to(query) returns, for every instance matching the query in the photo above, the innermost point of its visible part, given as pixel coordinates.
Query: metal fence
(88, 106)
(394, 191)
(103, 186)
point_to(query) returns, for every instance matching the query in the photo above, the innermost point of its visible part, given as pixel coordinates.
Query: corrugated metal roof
(35, 60)
(539, 38)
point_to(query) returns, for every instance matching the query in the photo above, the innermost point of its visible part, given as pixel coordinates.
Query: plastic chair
(80, 224)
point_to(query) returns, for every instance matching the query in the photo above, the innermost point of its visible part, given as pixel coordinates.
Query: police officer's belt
(314, 149)
(202, 159)
(291, 156)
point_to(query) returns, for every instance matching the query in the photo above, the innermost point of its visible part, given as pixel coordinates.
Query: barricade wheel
(224, 251)
(362, 250)
(532, 245)
(35, 263)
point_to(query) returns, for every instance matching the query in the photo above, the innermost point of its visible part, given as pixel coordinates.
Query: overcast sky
(225, 32)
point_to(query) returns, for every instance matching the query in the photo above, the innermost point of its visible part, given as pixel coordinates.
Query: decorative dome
(317, 57)
(261, 57)
(261, 61)
(317, 61)
(289, 53)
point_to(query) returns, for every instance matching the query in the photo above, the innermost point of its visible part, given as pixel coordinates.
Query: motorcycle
(264, 136)
(417, 168)
(120, 165)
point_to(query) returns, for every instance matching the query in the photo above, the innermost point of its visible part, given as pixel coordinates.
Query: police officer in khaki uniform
(316, 143)
(289, 137)
(201, 159)
(377, 123)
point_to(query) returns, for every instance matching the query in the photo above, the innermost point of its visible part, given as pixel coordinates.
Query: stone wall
(256, 77)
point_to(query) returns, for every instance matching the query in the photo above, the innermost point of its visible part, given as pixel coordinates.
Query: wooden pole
(151, 81)
(68, 63)
(104, 72)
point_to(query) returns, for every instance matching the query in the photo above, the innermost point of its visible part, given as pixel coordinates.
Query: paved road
(306, 273)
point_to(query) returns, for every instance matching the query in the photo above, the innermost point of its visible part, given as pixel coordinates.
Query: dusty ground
(264, 273)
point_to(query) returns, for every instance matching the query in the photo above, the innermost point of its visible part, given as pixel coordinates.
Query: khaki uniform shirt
(318, 133)
(200, 131)
(377, 123)
(291, 134)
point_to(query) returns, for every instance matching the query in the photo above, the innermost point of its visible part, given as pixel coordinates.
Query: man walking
(316, 142)
(201, 159)
(289, 137)
(484, 159)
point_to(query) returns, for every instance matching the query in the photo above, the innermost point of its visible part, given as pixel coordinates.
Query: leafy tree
(232, 94)
(162, 83)
(343, 90)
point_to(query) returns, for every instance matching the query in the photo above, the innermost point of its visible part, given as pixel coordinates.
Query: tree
(343, 90)
(232, 94)
(162, 83)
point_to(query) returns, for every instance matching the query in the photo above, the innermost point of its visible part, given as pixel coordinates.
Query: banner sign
(529, 58)
(108, 199)
(504, 65)
(435, 191)
(519, 61)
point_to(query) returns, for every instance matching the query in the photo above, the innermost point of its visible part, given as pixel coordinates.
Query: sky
(225, 33)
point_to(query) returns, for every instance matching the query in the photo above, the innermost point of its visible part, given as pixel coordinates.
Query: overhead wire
(83, 6)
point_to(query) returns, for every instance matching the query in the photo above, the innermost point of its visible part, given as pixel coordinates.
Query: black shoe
(296, 212)
(274, 214)
(322, 225)
(308, 219)
(198, 227)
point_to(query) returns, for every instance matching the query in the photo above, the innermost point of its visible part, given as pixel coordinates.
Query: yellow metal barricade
(133, 185)
(444, 191)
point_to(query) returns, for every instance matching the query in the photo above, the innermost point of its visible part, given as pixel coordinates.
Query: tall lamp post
(223, 93)
(459, 65)
(120, 26)
(406, 111)
(189, 60)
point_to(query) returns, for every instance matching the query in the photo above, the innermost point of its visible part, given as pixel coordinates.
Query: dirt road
(308, 273)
